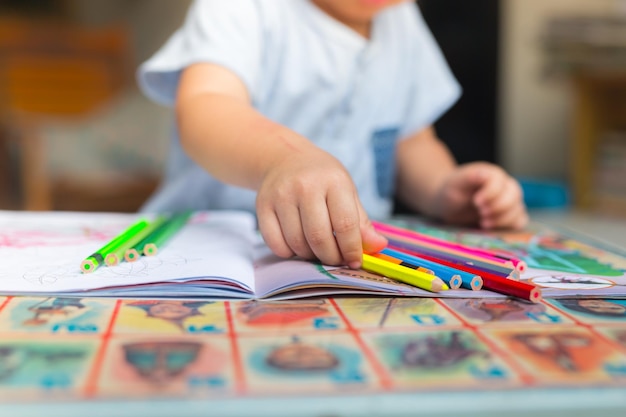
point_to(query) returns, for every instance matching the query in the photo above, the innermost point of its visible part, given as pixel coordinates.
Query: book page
(293, 278)
(42, 252)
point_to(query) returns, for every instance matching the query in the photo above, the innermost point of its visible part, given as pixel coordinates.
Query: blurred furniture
(591, 53)
(58, 72)
(7, 188)
(598, 157)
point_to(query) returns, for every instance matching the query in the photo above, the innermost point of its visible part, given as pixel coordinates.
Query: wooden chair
(52, 71)
(8, 198)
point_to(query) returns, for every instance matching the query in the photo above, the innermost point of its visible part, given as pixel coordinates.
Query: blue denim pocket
(384, 148)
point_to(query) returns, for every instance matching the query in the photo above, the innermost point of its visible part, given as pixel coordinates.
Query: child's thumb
(470, 177)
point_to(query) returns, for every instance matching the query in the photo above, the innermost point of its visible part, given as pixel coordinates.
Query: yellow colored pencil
(404, 274)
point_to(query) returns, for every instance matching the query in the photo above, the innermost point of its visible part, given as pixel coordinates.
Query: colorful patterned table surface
(340, 356)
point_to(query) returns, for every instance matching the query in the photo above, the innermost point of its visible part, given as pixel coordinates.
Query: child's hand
(483, 193)
(308, 206)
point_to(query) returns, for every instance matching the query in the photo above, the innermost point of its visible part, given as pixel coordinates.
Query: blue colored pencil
(468, 281)
(456, 259)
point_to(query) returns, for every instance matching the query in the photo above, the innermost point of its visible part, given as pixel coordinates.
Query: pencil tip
(477, 283)
(535, 295)
(455, 282)
(439, 285)
(87, 266)
(111, 260)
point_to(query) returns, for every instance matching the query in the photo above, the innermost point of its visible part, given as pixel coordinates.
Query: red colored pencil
(519, 289)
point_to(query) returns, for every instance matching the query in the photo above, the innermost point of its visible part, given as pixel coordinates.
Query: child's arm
(307, 204)
(476, 193)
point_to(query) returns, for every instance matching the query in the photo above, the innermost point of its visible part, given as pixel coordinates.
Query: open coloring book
(220, 255)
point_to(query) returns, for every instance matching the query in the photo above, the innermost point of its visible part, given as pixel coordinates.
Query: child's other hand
(483, 193)
(308, 206)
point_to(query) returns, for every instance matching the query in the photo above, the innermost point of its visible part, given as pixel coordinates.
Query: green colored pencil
(162, 235)
(96, 259)
(139, 247)
(134, 253)
(117, 253)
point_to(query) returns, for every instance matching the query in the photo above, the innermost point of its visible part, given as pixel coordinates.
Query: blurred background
(544, 96)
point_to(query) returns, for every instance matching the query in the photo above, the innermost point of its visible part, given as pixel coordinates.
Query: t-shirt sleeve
(434, 89)
(226, 33)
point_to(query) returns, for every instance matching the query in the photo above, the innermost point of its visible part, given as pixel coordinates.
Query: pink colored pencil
(478, 253)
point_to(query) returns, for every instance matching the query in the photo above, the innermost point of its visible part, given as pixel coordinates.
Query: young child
(315, 113)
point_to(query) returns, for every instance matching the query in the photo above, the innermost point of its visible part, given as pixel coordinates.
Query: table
(343, 356)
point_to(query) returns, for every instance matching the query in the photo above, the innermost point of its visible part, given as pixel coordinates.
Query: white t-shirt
(351, 96)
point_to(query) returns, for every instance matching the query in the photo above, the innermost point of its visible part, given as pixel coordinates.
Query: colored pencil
(519, 289)
(418, 249)
(134, 253)
(117, 253)
(453, 281)
(468, 281)
(495, 282)
(403, 274)
(395, 260)
(158, 239)
(453, 254)
(471, 251)
(96, 259)
(140, 247)
(468, 251)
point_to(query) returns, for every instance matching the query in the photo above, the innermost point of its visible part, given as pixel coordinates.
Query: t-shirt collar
(339, 31)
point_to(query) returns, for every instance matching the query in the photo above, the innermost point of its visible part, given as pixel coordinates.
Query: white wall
(535, 111)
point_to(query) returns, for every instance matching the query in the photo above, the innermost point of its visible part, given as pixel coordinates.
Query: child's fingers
(506, 209)
(290, 220)
(271, 231)
(514, 218)
(520, 220)
(468, 178)
(508, 198)
(318, 227)
(493, 184)
(344, 217)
